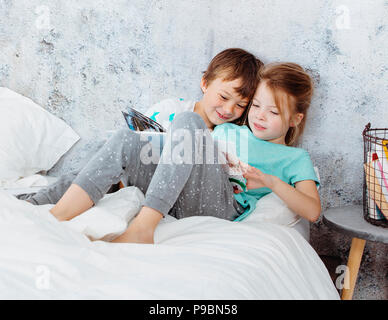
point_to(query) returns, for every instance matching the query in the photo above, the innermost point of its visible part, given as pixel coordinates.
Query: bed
(192, 258)
(266, 256)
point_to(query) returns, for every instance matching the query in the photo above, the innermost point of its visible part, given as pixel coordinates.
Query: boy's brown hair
(235, 63)
(290, 81)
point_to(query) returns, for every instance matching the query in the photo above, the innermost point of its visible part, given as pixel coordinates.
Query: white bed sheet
(27, 185)
(193, 258)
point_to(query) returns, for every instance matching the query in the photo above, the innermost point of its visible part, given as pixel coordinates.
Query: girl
(275, 120)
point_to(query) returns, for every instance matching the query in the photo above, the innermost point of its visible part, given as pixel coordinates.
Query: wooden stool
(349, 220)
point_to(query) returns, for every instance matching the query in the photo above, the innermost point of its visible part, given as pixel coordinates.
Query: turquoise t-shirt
(290, 164)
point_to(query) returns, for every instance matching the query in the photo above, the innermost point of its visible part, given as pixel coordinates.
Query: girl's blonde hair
(293, 87)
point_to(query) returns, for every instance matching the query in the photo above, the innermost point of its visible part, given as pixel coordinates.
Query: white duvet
(193, 258)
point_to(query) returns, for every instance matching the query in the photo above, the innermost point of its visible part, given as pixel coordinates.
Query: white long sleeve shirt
(164, 111)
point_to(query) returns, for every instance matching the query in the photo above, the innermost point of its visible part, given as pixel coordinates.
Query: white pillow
(111, 215)
(271, 208)
(31, 138)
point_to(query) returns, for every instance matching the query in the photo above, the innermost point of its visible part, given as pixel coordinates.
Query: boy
(228, 85)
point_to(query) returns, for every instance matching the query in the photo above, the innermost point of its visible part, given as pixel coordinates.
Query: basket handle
(367, 127)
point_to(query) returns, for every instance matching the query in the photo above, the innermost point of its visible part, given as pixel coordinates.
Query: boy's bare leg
(74, 202)
(142, 228)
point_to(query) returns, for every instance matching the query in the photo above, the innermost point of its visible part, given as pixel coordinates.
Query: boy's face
(220, 102)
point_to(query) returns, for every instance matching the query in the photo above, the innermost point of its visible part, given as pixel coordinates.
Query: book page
(137, 121)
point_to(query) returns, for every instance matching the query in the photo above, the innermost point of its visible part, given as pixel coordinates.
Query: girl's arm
(303, 199)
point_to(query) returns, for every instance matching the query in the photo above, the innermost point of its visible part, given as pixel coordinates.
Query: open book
(146, 127)
(137, 121)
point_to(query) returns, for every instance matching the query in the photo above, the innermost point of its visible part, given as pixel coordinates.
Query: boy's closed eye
(239, 104)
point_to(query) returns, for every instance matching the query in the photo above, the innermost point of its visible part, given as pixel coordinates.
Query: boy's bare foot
(142, 228)
(135, 235)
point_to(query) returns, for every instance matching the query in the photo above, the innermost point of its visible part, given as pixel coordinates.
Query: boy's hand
(258, 179)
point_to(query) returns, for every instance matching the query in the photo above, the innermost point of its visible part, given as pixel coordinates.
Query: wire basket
(375, 189)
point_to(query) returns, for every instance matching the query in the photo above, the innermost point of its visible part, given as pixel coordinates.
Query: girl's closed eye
(222, 97)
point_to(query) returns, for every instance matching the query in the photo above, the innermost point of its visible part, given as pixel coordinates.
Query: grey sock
(27, 197)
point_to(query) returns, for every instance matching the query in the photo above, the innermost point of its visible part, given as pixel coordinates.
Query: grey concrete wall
(84, 61)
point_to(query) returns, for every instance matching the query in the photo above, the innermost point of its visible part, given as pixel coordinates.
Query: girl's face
(264, 117)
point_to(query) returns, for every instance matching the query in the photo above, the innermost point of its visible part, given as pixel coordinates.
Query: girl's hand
(258, 179)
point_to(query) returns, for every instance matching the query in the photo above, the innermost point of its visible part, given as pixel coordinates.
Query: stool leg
(354, 260)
